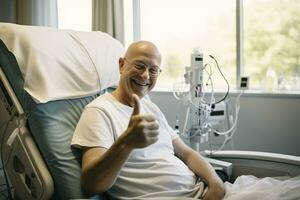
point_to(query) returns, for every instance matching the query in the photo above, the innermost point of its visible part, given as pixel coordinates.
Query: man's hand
(216, 191)
(142, 130)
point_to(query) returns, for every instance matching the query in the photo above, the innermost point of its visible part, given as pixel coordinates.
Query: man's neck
(122, 98)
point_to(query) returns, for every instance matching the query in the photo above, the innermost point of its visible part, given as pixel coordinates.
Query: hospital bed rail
(259, 164)
(23, 163)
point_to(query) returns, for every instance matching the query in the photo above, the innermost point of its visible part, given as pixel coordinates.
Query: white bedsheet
(252, 188)
(62, 64)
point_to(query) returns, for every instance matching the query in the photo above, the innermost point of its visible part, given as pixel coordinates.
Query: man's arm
(100, 166)
(201, 168)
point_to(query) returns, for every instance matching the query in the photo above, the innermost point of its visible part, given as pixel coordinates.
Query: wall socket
(244, 82)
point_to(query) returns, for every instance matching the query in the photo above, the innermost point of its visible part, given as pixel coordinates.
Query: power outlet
(244, 82)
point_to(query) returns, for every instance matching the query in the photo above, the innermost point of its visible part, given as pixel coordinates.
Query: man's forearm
(202, 168)
(102, 172)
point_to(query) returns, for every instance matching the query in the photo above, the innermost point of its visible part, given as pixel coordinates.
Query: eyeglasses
(154, 71)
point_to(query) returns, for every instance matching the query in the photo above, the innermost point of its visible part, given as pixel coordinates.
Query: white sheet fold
(269, 188)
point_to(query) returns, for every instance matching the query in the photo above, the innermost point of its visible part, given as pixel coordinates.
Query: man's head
(139, 69)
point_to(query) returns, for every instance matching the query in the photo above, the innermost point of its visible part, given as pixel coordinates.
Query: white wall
(268, 123)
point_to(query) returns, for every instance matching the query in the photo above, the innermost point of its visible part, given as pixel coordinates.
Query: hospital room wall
(268, 123)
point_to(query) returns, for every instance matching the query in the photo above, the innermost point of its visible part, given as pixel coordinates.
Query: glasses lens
(154, 71)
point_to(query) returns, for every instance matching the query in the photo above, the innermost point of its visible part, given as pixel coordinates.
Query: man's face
(139, 72)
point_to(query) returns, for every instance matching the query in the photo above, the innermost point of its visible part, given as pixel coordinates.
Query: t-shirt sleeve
(94, 129)
(172, 132)
(165, 123)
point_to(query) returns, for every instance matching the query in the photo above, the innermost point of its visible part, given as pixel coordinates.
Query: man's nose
(145, 74)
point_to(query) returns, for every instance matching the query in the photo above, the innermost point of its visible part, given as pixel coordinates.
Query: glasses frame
(145, 67)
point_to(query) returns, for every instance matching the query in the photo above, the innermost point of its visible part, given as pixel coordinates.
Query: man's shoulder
(101, 101)
(150, 105)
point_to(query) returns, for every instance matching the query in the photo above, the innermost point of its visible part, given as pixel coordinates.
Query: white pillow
(62, 64)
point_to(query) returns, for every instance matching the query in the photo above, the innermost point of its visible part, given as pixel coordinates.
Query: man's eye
(139, 66)
(153, 70)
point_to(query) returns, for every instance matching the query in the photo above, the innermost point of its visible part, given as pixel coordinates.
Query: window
(269, 48)
(178, 27)
(75, 14)
(272, 43)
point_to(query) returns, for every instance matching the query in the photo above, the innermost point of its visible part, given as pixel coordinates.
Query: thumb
(136, 105)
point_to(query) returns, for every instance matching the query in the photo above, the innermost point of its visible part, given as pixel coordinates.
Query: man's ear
(121, 64)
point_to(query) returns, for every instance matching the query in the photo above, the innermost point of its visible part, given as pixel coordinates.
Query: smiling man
(129, 150)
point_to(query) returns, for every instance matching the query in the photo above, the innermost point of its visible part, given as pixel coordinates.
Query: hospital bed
(35, 147)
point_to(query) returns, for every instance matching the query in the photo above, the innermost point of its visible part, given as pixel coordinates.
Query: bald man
(129, 149)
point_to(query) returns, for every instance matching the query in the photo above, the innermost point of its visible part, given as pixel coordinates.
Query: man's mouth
(140, 83)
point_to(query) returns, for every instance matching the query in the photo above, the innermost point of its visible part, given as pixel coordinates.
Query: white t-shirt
(151, 172)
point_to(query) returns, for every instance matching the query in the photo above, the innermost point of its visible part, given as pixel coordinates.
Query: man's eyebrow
(140, 61)
(137, 60)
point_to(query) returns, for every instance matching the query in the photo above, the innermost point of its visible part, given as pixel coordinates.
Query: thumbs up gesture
(143, 129)
(136, 105)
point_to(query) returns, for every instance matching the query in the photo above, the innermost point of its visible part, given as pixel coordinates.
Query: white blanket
(252, 188)
(62, 64)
